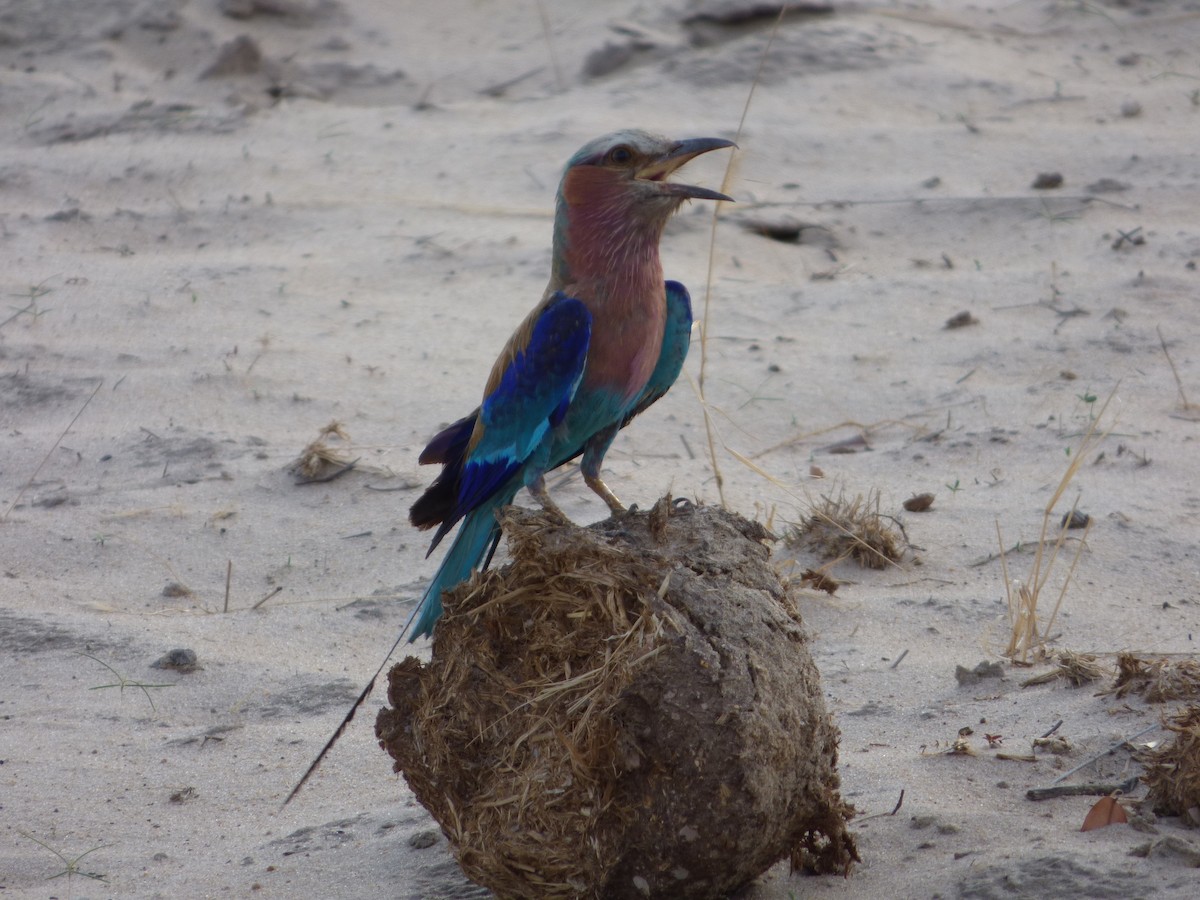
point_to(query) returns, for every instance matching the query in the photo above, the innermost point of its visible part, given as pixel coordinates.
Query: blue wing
(451, 443)
(527, 398)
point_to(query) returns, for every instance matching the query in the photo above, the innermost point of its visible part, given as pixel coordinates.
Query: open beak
(675, 158)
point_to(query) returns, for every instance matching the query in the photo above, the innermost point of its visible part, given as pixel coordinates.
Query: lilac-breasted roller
(608, 339)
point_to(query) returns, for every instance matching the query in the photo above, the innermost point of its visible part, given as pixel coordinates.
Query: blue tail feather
(478, 532)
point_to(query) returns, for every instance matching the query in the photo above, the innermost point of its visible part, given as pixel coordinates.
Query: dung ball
(624, 710)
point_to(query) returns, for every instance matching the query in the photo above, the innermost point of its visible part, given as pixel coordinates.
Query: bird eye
(620, 155)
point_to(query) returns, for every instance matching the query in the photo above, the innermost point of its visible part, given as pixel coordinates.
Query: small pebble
(961, 320)
(423, 840)
(1076, 519)
(1047, 181)
(179, 659)
(919, 502)
(1108, 186)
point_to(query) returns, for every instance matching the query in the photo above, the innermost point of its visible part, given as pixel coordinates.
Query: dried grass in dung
(842, 528)
(625, 710)
(1173, 769)
(1157, 680)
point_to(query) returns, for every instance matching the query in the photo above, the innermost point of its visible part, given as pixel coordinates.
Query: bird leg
(593, 459)
(597, 484)
(537, 488)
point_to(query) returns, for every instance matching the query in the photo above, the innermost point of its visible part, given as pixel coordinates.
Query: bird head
(628, 170)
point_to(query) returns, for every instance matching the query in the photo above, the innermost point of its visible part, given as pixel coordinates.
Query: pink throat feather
(610, 261)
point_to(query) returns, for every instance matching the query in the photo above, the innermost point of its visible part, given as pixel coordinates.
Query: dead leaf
(1107, 811)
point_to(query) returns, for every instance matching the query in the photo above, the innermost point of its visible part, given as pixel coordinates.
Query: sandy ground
(201, 273)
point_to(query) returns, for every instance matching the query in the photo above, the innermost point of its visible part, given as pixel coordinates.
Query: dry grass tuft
(1173, 769)
(841, 528)
(323, 454)
(1028, 635)
(1077, 668)
(1156, 680)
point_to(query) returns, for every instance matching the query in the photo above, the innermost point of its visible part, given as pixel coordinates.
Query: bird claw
(552, 512)
(549, 507)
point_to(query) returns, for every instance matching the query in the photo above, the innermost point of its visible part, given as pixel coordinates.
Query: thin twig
(1092, 789)
(712, 246)
(895, 809)
(33, 477)
(558, 75)
(1091, 759)
(1178, 381)
(266, 598)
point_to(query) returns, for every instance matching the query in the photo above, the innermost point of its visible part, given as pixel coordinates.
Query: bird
(607, 340)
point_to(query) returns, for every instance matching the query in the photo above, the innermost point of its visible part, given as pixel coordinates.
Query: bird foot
(623, 512)
(549, 507)
(557, 515)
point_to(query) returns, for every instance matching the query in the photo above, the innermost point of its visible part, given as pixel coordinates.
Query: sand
(343, 223)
